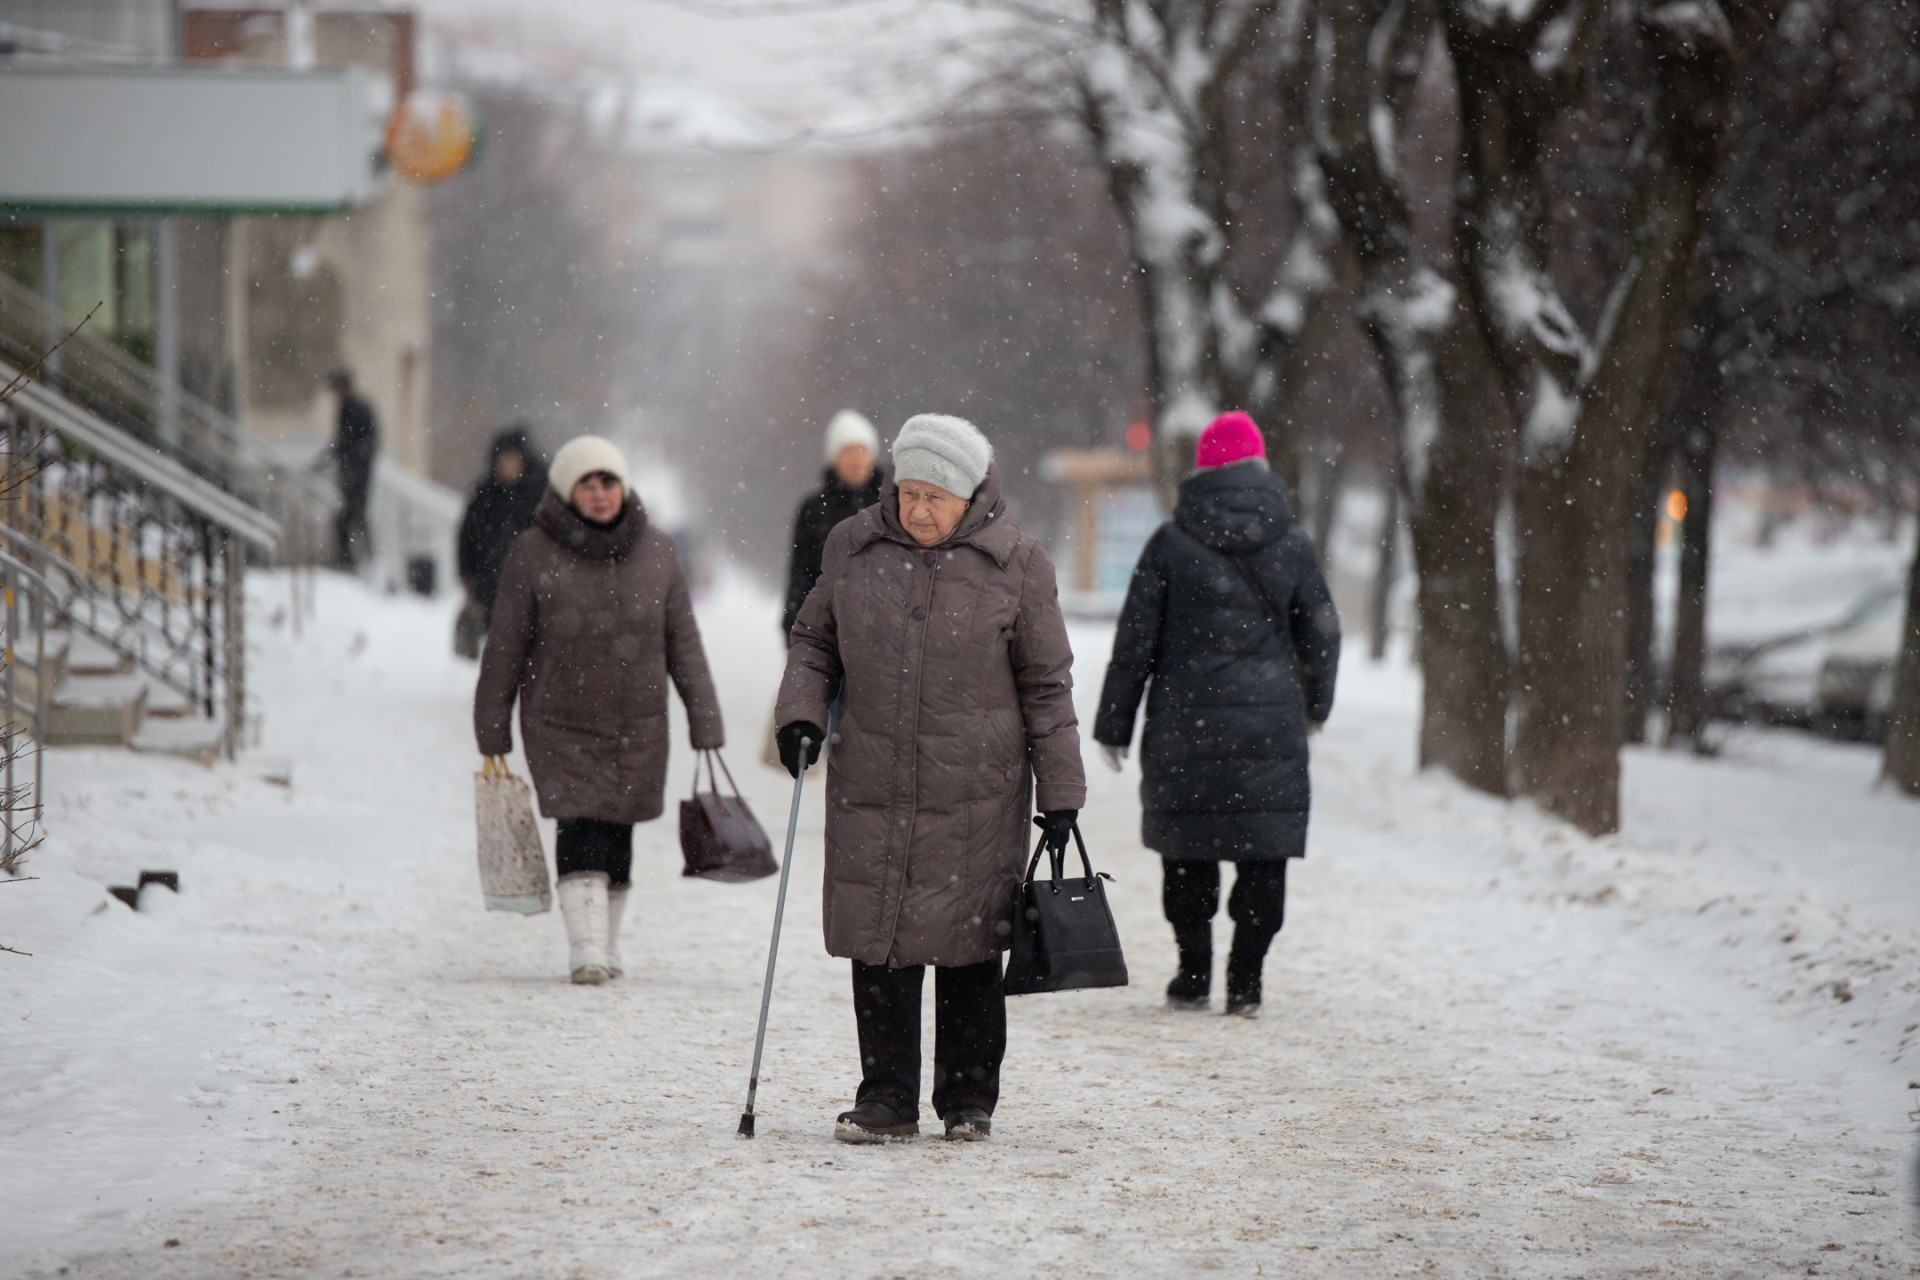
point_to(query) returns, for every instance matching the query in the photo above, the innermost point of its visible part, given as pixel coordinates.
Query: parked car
(1836, 676)
(1853, 695)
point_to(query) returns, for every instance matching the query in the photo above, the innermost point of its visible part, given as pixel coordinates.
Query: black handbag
(1064, 937)
(719, 836)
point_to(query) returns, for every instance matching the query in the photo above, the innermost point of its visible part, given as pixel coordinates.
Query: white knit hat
(942, 450)
(580, 457)
(851, 428)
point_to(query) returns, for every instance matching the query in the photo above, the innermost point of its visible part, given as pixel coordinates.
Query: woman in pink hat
(1229, 615)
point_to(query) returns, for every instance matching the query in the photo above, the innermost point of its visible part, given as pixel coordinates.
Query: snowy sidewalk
(1491, 1047)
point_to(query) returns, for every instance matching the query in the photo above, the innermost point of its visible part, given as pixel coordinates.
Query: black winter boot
(969, 1124)
(1243, 981)
(873, 1121)
(1192, 986)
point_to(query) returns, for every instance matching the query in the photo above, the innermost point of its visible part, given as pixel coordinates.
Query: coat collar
(585, 539)
(984, 527)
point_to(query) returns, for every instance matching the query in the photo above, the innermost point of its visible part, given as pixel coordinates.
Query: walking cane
(773, 947)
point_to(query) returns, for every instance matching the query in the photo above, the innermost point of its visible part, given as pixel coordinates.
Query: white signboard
(150, 140)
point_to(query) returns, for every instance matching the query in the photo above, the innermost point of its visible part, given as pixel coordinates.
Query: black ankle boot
(1243, 982)
(1192, 986)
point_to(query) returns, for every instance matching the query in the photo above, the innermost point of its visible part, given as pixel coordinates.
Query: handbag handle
(1058, 859)
(709, 756)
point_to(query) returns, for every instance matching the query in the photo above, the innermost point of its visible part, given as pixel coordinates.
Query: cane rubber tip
(746, 1125)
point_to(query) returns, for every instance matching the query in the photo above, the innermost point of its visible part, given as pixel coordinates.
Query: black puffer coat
(497, 514)
(818, 514)
(1236, 677)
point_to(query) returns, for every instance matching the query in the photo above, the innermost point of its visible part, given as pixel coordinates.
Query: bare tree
(1155, 86)
(1587, 404)
(1803, 355)
(1368, 57)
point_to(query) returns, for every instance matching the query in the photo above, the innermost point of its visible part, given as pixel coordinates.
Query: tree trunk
(1380, 599)
(1687, 685)
(1640, 610)
(1443, 388)
(1463, 653)
(1287, 359)
(1902, 760)
(1153, 82)
(1588, 410)
(1331, 464)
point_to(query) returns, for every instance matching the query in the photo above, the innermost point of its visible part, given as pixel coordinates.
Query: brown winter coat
(957, 693)
(589, 625)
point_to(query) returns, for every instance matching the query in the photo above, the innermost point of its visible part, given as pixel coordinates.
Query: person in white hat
(851, 484)
(573, 643)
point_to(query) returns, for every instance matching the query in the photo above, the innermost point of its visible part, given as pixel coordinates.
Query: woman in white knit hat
(936, 624)
(592, 620)
(851, 485)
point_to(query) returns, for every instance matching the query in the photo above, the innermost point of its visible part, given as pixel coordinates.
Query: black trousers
(1258, 905)
(969, 1035)
(588, 844)
(350, 521)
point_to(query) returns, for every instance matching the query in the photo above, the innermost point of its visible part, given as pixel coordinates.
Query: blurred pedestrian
(591, 620)
(356, 442)
(937, 625)
(1229, 615)
(500, 510)
(851, 485)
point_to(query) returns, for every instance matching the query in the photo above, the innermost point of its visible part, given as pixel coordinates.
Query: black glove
(788, 739)
(1056, 827)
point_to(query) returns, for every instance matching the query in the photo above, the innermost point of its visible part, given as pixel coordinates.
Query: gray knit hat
(942, 450)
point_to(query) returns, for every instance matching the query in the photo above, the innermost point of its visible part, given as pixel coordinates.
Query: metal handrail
(21, 566)
(153, 409)
(9, 568)
(192, 642)
(156, 469)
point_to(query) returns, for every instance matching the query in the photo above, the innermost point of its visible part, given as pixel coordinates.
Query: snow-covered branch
(1154, 80)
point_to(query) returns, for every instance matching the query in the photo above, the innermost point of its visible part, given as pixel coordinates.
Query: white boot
(583, 905)
(616, 907)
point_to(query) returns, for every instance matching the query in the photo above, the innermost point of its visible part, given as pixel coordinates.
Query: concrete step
(189, 737)
(86, 656)
(167, 703)
(96, 710)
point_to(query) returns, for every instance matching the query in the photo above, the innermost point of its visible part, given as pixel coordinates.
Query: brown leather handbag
(719, 836)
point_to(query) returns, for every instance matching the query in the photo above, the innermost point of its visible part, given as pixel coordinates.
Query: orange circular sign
(431, 136)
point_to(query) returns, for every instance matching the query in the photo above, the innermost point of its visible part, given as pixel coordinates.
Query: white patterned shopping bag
(513, 867)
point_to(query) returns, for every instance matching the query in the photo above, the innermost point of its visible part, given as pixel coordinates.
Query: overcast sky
(838, 67)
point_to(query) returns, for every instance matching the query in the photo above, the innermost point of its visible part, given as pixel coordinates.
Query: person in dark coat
(1229, 616)
(501, 509)
(852, 484)
(356, 440)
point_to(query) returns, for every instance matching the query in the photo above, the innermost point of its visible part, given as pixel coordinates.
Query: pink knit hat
(1231, 437)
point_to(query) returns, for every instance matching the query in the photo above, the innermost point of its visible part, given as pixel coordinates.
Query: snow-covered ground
(1491, 1047)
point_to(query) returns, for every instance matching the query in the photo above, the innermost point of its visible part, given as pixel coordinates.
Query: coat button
(919, 615)
(926, 558)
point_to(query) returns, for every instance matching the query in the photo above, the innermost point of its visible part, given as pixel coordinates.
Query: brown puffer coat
(957, 685)
(589, 625)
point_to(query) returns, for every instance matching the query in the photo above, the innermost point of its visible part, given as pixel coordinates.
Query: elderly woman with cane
(1229, 616)
(937, 625)
(592, 620)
